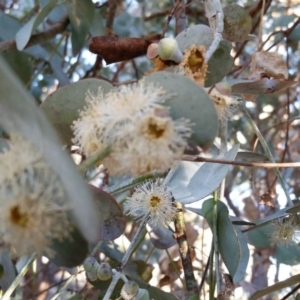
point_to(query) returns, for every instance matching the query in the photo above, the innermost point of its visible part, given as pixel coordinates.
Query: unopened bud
(90, 263)
(168, 50)
(104, 272)
(129, 290)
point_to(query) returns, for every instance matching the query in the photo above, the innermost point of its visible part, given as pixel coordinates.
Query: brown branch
(180, 17)
(38, 38)
(243, 164)
(185, 255)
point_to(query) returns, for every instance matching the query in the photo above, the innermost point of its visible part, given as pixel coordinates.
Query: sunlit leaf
(19, 114)
(62, 106)
(210, 175)
(24, 34)
(275, 287)
(182, 173)
(232, 245)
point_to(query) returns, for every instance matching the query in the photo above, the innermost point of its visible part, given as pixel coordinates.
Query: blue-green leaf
(209, 176)
(24, 34)
(232, 245)
(189, 101)
(81, 14)
(62, 106)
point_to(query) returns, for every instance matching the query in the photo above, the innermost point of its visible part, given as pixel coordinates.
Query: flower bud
(168, 50)
(90, 263)
(104, 272)
(92, 275)
(129, 290)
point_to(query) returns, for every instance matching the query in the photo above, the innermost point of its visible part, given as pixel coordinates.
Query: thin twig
(180, 17)
(170, 16)
(93, 159)
(242, 164)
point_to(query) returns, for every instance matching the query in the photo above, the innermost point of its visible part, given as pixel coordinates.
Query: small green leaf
(81, 14)
(62, 106)
(232, 245)
(189, 101)
(110, 215)
(219, 64)
(275, 287)
(24, 34)
(70, 252)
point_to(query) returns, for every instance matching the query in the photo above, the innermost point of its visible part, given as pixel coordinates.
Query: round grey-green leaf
(195, 35)
(62, 107)
(189, 101)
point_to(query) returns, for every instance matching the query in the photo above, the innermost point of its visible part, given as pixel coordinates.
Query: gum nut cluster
(33, 208)
(95, 271)
(134, 123)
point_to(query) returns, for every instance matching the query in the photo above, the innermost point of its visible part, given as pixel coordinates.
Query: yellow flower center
(17, 217)
(195, 61)
(156, 128)
(154, 201)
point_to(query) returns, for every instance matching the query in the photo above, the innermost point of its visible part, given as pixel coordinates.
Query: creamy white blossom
(137, 127)
(226, 106)
(285, 232)
(152, 201)
(33, 207)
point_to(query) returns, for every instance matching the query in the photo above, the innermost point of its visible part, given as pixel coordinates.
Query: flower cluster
(133, 121)
(152, 200)
(286, 231)
(33, 208)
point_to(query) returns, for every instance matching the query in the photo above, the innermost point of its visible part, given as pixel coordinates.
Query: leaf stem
(140, 232)
(93, 159)
(268, 153)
